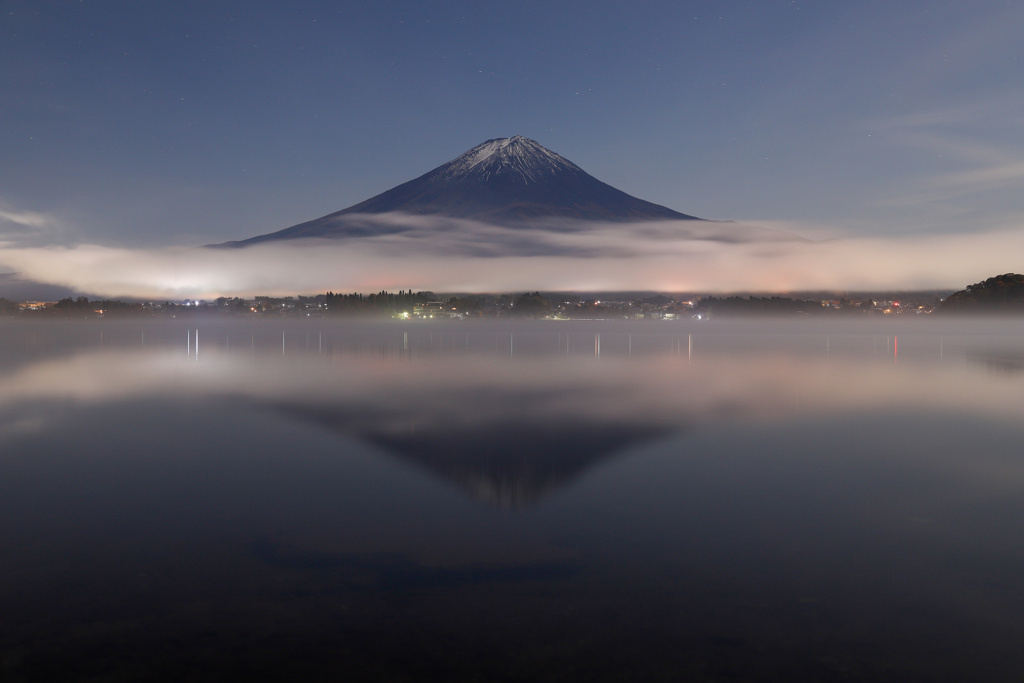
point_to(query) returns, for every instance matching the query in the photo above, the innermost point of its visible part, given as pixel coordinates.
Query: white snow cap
(522, 159)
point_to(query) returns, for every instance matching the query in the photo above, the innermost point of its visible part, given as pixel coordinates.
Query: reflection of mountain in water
(506, 463)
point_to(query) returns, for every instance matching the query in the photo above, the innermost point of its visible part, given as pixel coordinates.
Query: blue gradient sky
(177, 123)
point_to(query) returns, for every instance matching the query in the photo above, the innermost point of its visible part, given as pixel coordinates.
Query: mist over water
(797, 500)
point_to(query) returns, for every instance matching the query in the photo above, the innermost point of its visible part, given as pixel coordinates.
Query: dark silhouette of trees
(999, 294)
(775, 305)
(382, 303)
(530, 306)
(82, 307)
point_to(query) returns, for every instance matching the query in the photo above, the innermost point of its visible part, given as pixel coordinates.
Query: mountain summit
(516, 161)
(503, 181)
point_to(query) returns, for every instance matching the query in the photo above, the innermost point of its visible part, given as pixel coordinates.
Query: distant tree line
(380, 303)
(86, 307)
(80, 307)
(530, 306)
(775, 305)
(7, 307)
(1002, 293)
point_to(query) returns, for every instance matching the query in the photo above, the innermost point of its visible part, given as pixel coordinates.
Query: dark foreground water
(488, 502)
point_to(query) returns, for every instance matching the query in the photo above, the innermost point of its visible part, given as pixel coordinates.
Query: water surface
(493, 501)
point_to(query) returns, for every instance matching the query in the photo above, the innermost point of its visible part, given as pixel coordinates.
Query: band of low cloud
(394, 252)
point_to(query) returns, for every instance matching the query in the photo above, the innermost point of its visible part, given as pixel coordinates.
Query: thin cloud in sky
(942, 116)
(962, 171)
(29, 219)
(942, 188)
(992, 177)
(22, 227)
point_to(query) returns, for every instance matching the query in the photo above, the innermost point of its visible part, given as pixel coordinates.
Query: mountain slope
(505, 180)
(1000, 294)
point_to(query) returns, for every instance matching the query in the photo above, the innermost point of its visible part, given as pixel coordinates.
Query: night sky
(154, 124)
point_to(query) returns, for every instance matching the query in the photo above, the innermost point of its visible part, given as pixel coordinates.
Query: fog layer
(445, 255)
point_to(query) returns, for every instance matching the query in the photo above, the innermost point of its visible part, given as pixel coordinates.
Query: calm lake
(491, 501)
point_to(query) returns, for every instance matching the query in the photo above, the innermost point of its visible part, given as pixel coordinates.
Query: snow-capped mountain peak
(516, 159)
(508, 181)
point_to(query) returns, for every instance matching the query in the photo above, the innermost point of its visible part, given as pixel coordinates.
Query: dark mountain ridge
(503, 181)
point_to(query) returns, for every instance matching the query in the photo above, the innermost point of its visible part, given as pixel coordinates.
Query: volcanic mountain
(502, 181)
